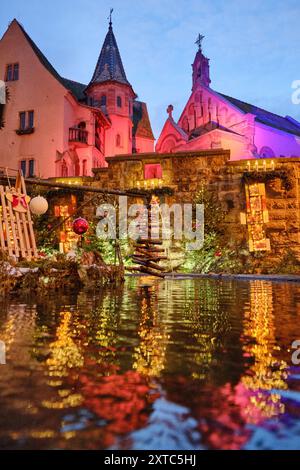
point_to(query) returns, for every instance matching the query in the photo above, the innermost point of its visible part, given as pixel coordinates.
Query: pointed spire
(109, 65)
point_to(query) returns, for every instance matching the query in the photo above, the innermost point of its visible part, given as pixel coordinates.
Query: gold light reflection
(209, 325)
(150, 355)
(65, 355)
(267, 372)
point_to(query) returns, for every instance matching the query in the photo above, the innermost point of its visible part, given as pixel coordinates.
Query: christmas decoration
(38, 205)
(19, 200)
(80, 226)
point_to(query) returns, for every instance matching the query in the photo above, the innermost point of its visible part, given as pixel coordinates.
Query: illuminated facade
(212, 120)
(56, 127)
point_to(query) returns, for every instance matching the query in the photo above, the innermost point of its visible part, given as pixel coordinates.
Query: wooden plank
(33, 249)
(144, 270)
(13, 227)
(24, 224)
(149, 254)
(148, 264)
(144, 257)
(146, 242)
(2, 241)
(151, 271)
(20, 235)
(151, 250)
(6, 221)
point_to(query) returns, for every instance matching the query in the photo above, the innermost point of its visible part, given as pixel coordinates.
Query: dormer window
(119, 101)
(12, 72)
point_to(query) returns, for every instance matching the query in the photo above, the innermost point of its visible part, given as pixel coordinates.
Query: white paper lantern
(38, 205)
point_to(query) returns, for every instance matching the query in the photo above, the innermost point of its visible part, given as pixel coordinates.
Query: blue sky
(253, 46)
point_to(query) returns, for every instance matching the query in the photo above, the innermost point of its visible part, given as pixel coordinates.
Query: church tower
(200, 67)
(110, 90)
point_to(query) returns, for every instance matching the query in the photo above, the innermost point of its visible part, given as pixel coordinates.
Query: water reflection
(154, 364)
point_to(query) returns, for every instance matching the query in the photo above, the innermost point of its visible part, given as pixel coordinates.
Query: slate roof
(76, 88)
(141, 121)
(179, 129)
(210, 126)
(109, 65)
(266, 117)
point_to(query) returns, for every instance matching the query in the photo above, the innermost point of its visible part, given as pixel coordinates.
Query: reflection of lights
(267, 372)
(65, 355)
(150, 354)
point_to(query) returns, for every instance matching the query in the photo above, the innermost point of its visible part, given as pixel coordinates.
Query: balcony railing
(78, 135)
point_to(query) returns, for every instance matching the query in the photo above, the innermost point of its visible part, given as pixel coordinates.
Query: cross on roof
(110, 14)
(199, 41)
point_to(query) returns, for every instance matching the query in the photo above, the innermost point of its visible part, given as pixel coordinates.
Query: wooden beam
(72, 187)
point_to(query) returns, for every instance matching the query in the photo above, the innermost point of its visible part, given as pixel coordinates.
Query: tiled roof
(285, 124)
(141, 121)
(109, 65)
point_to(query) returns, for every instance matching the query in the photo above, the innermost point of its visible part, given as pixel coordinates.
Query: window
(27, 166)
(23, 167)
(103, 100)
(26, 120)
(185, 124)
(30, 119)
(12, 72)
(118, 140)
(64, 169)
(22, 121)
(152, 170)
(31, 169)
(16, 72)
(9, 74)
(266, 152)
(119, 101)
(84, 168)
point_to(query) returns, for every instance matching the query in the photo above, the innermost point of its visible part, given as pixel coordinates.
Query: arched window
(118, 140)
(119, 101)
(209, 105)
(266, 152)
(103, 100)
(185, 124)
(64, 169)
(84, 168)
(192, 113)
(168, 146)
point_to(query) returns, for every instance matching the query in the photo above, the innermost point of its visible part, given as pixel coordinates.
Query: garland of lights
(263, 177)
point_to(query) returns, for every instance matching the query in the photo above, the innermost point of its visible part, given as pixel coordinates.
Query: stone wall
(185, 173)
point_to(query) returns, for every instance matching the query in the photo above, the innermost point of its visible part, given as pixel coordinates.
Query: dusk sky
(253, 46)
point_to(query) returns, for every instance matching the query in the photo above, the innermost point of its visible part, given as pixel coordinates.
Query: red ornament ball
(218, 253)
(80, 226)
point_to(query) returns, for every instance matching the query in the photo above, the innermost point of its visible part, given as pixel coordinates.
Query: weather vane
(199, 41)
(109, 18)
